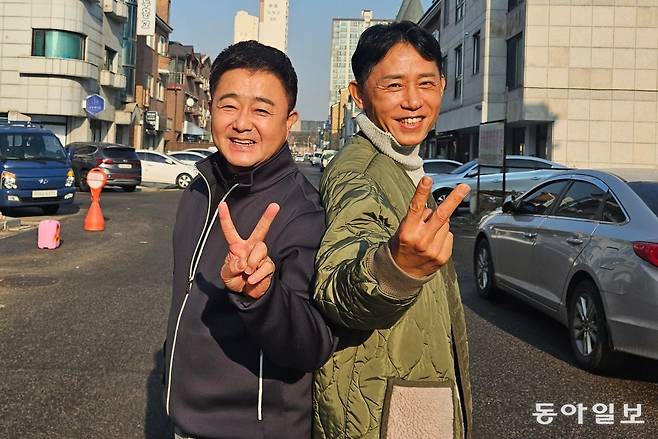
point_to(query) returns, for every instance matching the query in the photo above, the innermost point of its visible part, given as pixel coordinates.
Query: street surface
(81, 332)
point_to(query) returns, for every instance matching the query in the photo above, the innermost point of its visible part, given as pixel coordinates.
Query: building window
(446, 15)
(476, 53)
(459, 10)
(162, 45)
(150, 84)
(161, 91)
(515, 62)
(58, 44)
(444, 65)
(459, 70)
(110, 56)
(511, 4)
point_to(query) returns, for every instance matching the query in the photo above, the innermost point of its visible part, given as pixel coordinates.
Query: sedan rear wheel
(440, 195)
(183, 180)
(588, 330)
(484, 270)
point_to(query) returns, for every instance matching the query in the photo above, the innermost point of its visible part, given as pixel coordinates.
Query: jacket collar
(216, 170)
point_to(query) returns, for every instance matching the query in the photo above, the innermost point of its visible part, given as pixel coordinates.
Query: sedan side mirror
(170, 162)
(509, 206)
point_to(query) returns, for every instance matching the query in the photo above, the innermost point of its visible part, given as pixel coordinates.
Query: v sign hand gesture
(247, 268)
(423, 242)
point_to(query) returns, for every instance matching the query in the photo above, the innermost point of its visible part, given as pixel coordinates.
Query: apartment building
(575, 83)
(245, 27)
(188, 94)
(269, 28)
(151, 78)
(57, 54)
(345, 34)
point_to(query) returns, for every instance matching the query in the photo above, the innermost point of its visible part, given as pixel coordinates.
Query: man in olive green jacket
(385, 277)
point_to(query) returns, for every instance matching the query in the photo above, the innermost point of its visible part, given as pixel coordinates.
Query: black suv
(119, 162)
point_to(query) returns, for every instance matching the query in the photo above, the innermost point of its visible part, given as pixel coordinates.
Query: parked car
(440, 166)
(120, 163)
(187, 157)
(326, 157)
(523, 172)
(316, 158)
(298, 158)
(207, 152)
(160, 168)
(583, 248)
(34, 169)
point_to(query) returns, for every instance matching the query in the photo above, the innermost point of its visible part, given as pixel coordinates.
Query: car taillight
(647, 251)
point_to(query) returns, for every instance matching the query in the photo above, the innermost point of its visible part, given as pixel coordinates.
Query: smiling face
(402, 95)
(250, 116)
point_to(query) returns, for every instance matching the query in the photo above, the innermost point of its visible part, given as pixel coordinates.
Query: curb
(7, 223)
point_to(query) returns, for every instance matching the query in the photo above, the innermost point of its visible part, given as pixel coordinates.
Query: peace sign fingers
(230, 233)
(263, 226)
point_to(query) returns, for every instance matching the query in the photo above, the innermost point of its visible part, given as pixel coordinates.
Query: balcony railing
(190, 73)
(111, 79)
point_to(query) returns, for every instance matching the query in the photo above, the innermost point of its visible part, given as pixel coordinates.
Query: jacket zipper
(193, 266)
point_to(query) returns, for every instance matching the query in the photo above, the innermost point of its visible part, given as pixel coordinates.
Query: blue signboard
(94, 104)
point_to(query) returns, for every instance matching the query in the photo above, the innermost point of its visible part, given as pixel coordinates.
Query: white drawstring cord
(260, 388)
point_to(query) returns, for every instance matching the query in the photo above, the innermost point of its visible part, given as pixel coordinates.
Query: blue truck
(35, 171)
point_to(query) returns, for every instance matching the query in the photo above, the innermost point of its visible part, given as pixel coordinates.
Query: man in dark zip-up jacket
(239, 359)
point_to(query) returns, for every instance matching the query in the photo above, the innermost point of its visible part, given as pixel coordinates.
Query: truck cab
(35, 171)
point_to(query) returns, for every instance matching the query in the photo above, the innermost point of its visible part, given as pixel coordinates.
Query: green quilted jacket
(394, 330)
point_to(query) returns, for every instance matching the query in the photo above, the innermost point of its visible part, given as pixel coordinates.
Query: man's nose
(242, 121)
(412, 99)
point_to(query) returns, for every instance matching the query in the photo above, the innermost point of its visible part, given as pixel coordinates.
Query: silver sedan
(583, 248)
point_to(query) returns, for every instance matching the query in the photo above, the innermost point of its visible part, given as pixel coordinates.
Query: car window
(31, 146)
(438, 167)
(582, 200)
(519, 165)
(539, 201)
(490, 170)
(152, 157)
(612, 212)
(119, 153)
(465, 167)
(648, 192)
(84, 150)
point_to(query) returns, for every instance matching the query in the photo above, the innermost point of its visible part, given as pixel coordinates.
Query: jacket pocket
(418, 409)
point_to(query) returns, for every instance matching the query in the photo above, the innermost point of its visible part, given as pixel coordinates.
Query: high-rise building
(245, 27)
(273, 26)
(574, 83)
(345, 35)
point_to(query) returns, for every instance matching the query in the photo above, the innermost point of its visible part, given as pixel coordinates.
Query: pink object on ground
(49, 234)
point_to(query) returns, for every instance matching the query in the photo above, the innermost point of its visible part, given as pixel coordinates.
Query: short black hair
(376, 41)
(257, 57)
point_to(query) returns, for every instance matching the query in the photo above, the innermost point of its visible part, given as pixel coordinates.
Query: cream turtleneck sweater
(407, 156)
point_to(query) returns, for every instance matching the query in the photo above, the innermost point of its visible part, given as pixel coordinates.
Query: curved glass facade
(58, 44)
(130, 50)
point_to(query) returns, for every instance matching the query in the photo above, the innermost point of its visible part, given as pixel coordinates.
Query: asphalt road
(81, 330)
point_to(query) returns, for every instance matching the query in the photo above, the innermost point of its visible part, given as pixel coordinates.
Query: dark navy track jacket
(235, 367)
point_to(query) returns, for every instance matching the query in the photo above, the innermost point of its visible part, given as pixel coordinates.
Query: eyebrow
(422, 75)
(235, 96)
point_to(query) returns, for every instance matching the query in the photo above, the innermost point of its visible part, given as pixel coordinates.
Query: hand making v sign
(423, 242)
(247, 268)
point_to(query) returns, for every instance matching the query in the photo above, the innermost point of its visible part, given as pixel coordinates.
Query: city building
(188, 96)
(151, 78)
(575, 83)
(63, 65)
(410, 10)
(345, 33)
(273, 25)
(245, 27)
(305, 136)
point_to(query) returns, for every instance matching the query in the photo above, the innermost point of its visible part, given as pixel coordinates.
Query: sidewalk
(8, 223)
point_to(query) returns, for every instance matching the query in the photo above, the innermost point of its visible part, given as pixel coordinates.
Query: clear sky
(208, 26)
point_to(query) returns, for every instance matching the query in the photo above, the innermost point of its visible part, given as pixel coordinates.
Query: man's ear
(355, 91)
(293, 116)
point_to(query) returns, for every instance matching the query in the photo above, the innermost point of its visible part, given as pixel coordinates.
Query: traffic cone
(94, 221)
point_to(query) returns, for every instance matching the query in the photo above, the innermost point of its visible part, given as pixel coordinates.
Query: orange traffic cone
(94, 221)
